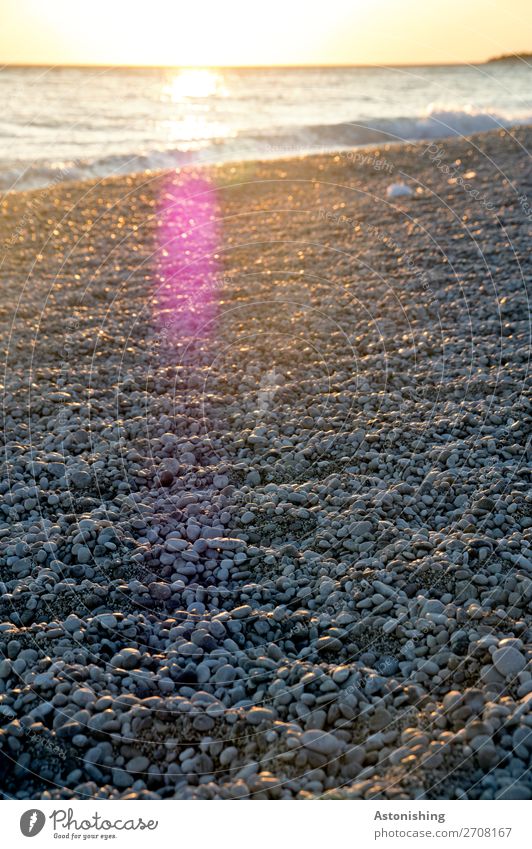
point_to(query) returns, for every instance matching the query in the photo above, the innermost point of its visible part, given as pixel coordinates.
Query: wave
(437, 123)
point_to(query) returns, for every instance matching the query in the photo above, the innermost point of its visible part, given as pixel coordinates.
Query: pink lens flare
(187, 277)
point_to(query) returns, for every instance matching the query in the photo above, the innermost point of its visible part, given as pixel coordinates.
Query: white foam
(440, 121)
(437, 122)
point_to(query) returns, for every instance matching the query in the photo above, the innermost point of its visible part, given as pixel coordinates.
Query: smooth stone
(515, 792)
(241, 612)
(160, 591)
(508, 661)
(84, 554)
(138, 764)
(321, 742)
(121, 778)
(107, 620)
(127, 659)
(80, 479)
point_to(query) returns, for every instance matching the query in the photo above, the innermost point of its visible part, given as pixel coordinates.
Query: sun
(194, 83)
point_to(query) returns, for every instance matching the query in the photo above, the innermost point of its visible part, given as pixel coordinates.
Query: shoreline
(265, 523)
(58, 172)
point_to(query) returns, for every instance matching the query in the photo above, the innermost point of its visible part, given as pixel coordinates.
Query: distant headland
(511, 57)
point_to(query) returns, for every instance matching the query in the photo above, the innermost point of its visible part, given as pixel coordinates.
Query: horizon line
(295, 66)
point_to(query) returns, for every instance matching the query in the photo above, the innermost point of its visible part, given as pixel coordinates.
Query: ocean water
(73, 123)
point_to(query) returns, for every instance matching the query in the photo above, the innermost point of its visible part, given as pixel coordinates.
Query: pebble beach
(265, 511)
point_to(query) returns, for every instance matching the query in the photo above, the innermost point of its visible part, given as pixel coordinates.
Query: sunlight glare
(194, 83)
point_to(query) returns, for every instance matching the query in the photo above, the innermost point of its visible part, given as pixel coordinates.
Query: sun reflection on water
(194, 83)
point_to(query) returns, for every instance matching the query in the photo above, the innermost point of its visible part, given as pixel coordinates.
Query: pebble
(321, 742)
(509, 661)
(80, 479)
(106, 620)
(84, 554)
(398, 190)
(127, 659)
(138, 764)
(289, 556)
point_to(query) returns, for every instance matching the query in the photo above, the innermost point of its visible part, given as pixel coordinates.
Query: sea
(66, 123)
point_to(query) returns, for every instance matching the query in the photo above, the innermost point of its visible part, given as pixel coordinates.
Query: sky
(244, 32)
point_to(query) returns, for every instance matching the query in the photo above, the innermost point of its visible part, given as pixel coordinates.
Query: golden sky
(250, 32)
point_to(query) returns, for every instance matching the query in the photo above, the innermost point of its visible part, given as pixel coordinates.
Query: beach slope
(265, 521)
